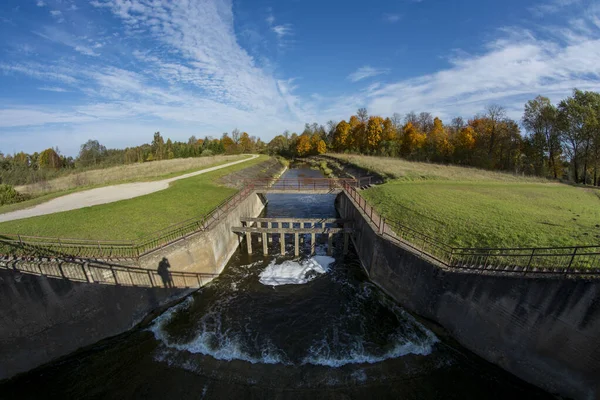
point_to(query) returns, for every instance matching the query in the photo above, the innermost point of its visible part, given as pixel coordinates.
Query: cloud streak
(366, 72)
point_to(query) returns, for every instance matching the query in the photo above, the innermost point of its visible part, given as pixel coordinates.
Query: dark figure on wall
(163, 272)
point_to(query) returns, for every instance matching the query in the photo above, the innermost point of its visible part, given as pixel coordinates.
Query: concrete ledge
(544, 330)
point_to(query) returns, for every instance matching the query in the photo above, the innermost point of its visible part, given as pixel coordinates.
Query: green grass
(493, 214)
(42, 198)
(468, 207)
(134, 218)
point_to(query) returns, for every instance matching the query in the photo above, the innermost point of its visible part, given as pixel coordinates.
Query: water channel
(308, 327)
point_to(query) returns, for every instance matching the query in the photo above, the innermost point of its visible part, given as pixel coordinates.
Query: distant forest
(560, 141)
(22, 168)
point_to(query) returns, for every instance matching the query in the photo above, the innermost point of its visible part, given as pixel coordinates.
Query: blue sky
(119, 70)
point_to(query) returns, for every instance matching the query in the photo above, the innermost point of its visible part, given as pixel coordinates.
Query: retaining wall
(543, 330)
(207, 251)
(43, 318)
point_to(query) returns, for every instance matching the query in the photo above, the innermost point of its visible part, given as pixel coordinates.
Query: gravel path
(103, 195)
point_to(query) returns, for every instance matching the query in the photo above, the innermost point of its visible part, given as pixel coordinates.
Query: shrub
(206, 153)
(8, 195)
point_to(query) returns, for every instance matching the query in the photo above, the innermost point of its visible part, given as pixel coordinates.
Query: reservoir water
(278, 327)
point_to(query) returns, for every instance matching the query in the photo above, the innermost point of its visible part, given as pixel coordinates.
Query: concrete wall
(543, 330)
(43, 318)
(207, 251)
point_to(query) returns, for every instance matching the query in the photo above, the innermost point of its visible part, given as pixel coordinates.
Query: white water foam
(212, 341)
(420, 341)
(294, 272)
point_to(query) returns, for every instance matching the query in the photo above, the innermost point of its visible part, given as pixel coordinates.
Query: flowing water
(307, 327)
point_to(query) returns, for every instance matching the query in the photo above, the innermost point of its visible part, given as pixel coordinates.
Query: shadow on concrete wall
(108, 273)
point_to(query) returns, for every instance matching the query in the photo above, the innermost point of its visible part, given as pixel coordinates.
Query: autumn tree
(438, 145)
(303, 145)
(373, 133)
(321, 147)
(340, 136)
(245, 143)
(229, 145)
(464, 143)
(412, 140)
(49, 159)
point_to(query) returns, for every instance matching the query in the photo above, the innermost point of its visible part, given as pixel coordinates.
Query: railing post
(529, 262)
(571, 262)
(381, 225)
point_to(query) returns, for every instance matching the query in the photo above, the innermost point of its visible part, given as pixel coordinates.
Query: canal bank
(544, 330)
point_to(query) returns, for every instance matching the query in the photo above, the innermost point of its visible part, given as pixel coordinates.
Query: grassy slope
(467, 207)
(42, 198)
(134, 218)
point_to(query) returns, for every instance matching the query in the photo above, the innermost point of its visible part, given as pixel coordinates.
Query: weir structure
(295, 227)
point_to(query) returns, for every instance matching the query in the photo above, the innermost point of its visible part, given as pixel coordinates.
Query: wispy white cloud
(510, 72)
(53, 89)
(40, 3)
(366, 72)
(282, 30)
(392, 18)
(552, 6)
(57, 35)
(57, 15)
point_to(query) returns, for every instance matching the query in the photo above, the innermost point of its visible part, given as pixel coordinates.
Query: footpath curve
(106, 194)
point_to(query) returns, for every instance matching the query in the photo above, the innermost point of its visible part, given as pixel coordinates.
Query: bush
(206, 153)
(8, 195)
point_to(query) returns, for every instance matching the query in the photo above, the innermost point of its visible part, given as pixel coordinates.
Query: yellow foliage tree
(438, 142)
(356, 129)
(389, 131)
(314, 144)
(374, 131)
(303, 145)
(340, 136)
(413, 140)
(465, 139)
(321, 147)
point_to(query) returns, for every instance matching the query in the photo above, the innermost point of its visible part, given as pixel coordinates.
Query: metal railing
(105, 273)
(574, 260)
(302, 184)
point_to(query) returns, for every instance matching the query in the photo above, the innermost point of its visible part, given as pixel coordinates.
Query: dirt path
(103, 195)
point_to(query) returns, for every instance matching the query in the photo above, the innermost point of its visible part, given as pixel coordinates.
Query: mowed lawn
(466, 207)
(92, 179)
(137, 217)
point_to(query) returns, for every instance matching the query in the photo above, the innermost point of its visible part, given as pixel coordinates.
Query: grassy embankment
(137, 217)
(468, 207)
(90, 179)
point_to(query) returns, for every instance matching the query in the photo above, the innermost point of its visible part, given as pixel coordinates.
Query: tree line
(561, 141)
(23, 168)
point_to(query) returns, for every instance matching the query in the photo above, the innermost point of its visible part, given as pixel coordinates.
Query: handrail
(106, 273)
(564, 260)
